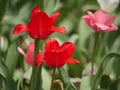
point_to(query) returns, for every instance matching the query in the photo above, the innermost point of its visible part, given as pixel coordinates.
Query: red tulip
(30, 54)
(100, 21)
(56, 55)
(40, 26)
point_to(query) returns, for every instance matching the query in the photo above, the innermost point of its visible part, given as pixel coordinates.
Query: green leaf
(85, 83)
(46, 83)
(49, 6)
(84, 32)
(102, 68)
(4, 72)
(11, 59)
(2, 8)
(66, 80)
(105, 81)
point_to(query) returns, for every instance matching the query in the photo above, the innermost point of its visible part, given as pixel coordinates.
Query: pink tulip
(100, 21)
(29, 56)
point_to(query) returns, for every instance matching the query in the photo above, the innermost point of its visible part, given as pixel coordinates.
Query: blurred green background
(18, 72)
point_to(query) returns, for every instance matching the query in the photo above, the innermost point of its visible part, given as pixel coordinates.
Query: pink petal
(35, 11)
(113, 27)
(59, 29)
(21, 51)
(87, 20)
(100, 27)
(72, 61)
(101, 16)
(54, 17)
(51, 45)
(30, 53)
(20, 28)
(110, 21)
(91, 16)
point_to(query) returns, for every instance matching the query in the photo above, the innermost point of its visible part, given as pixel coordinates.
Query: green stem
(35, 82)
(53, 77)
(93, 59)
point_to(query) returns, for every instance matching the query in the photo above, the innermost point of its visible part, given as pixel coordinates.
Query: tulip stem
(53, 77)
(93, 59)
(36, 78)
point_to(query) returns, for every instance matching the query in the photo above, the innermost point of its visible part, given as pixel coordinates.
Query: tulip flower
(40, 26)
(56, 56)
(30, 54)
(100, 21)
(108, 5)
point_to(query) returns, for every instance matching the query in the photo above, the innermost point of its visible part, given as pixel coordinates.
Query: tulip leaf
(2, 8)
(102, 68)
(85, 84)
(12, 56)
(84, 32)
(49, 6)
(66, 80)
(4, 72)
(46, 83)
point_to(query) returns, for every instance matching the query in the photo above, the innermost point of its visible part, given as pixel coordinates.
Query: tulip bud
(108, 5)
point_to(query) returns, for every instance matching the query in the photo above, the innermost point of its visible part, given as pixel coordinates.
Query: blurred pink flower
(100, 21)
(30, 54)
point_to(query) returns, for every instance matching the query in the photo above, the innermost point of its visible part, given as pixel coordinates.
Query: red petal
(35, 11)
(67, 50)
(59, 29)
(53, 59)
(72, 61)
(54, 17)
(51, 45)
(38, 59)
(39, 26)
(19, 28)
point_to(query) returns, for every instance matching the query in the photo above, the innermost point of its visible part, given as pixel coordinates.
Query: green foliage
(4, 72)
(15, 73)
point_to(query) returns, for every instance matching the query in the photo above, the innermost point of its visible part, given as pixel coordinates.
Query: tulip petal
(72, 61)
(35, 10)
(59, 29)
(67, 49)
(54, 17)
(19, 28)
(38, 59)
(110, 21)
(30, 53)
(40, 25)
(101, 16)
(22, 52)
(113, 27)
(51, 45)
(87, 20)
(100, 27)
(91, 16)
(53, 58)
